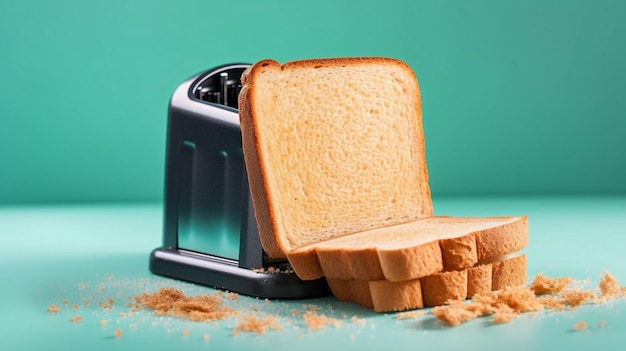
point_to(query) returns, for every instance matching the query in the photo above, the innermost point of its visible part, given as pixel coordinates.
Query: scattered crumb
(577, 297)
(357, 320)
(206, 336)
(545, 285)
(609, 286)
(552, 302)
(118, 333)
(185, 332)
(53, 308)
(87, 303)
(274, 270)
(313, 308)
(64, 301)
(411, 314)
(602, 324)
(455, 313)
(76, 319)
(319, 321)
(582, 325)
(233, 296)
(503, 317)
(103, 322)
(251, 324)
(173, 302)
(75, 306)
(295, 312)
(543, 293)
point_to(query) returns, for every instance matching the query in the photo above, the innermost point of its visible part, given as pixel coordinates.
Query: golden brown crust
(396, 296)
(459, 253)
(510, 272)
(305, 263)
(357, 291)
(442, 288)
(411, 262)
(502, 240)
(479, 279)
(252, 155)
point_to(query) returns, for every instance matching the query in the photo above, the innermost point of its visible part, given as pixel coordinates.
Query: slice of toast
(433, 290)
(335, 155)
(411, 250)
(332, 147)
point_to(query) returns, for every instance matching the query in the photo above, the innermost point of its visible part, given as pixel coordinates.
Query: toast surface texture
(332, 147)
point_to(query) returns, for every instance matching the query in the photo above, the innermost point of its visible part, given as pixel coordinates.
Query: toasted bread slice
(332, 147)
(411, 250)
(335, 155)
(433, 290)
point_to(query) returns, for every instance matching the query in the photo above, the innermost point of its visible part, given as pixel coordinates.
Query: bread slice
(433, 290)
(411, 250)
(332, 147)
(335, 155)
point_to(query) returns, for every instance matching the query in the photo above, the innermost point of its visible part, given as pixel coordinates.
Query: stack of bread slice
(335, 155)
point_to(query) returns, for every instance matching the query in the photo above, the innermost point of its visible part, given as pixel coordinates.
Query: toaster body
(210, 235)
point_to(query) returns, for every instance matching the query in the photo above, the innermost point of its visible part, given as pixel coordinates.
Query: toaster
(210, 235)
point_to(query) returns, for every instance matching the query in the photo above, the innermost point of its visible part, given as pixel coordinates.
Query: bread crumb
(76, 319)
(577, 297)
(358, 320)
(118, 333)
(206, 336)
(609, 286)
(185, 332)
(53, 308)
(542, 285)
(316, 322)
(582, 325)
(251, 324)
(411, 314)
(602, 324)
(173, 302)
(542, 293)
(274, 270)
(504, 317)
(455, 314)
(295, 312)
(552, 302)
(311, 308)
(103, 322)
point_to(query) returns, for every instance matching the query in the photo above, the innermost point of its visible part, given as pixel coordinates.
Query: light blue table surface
(86, 254)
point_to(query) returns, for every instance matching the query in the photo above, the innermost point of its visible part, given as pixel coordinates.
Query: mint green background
(518, 96)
